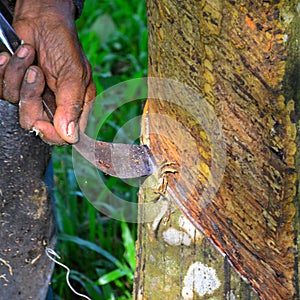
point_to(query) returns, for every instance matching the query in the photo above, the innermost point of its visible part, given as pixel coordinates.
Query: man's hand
(48, 30)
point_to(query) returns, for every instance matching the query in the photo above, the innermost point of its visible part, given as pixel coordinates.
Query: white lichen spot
(190, 229)
(201, 280)
(151, 257)
(285, 37)
(298, 7)
(287, 16)
(140, 295)
(175, 237)
(230, 295)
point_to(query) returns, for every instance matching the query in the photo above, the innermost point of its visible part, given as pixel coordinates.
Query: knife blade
(118, 160)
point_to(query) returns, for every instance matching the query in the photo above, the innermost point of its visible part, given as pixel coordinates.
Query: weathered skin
(48, 31)
(26, 219)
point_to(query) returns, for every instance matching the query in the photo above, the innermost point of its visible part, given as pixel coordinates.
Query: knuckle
(10, 96)
(77, 108)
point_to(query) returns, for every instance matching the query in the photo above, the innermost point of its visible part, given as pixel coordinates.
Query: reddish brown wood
(235, 54)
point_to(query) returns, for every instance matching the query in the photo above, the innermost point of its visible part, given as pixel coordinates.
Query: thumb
(69, 101)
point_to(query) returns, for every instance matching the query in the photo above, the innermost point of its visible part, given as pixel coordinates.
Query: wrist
(32, 9)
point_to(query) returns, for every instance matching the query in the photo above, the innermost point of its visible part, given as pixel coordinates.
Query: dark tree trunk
(26, 219)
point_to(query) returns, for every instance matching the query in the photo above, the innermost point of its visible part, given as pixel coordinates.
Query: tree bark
(26, 219)
(242, 57)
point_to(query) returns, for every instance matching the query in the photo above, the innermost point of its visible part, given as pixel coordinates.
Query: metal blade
(118, 160)
(8, 36)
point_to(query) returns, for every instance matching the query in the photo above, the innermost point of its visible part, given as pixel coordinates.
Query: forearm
(77, 5)
(36, 9)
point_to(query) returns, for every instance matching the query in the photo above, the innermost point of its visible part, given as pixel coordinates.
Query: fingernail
(72, 130)
(22, 52)
(3, 60)
(31, 76)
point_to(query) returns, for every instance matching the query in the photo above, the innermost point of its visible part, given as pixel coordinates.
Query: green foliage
(114, 36)
(101, 251)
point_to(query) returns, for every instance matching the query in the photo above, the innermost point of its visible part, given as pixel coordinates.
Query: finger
(73, 89)
(48, 133)
(87, 106)
(4, 58)
(31, 105)
(69, 101)
(32, 114)
(15, 71)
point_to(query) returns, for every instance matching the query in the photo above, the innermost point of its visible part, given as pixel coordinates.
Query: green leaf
(91, 246)
(86, 283)
(112, 276)
(129, 245)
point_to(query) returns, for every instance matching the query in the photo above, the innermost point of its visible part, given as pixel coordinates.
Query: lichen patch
(201, 280)
(175, 237)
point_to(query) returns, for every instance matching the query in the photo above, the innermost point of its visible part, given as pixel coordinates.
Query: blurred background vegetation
(100, 250)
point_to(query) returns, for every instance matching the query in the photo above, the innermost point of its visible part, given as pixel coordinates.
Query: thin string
(50, 252)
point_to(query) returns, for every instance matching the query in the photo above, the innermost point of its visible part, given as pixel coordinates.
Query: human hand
(48, 27)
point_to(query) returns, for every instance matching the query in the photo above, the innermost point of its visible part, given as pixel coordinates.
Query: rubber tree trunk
(26, 220)
(226, 221)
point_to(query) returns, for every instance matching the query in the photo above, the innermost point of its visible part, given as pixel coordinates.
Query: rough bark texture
(242, 57)
(26, 220)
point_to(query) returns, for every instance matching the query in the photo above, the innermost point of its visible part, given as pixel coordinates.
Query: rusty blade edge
(118, 160)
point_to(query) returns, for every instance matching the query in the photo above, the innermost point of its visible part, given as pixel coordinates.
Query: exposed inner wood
(235, 55)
